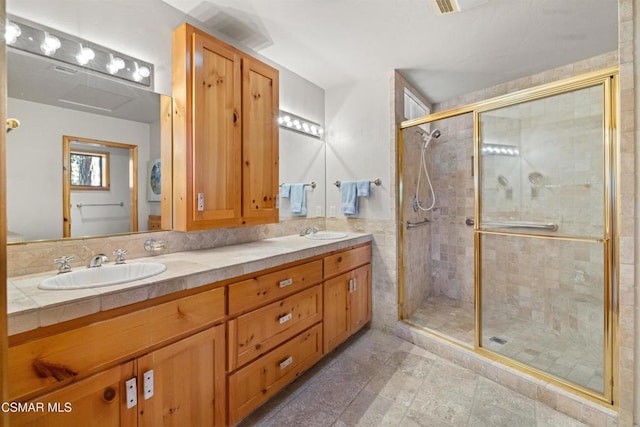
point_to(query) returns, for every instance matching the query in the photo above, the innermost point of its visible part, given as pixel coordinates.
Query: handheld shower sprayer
(417, 204)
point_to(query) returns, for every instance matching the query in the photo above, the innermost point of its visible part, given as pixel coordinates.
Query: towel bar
(376, 181)
(82, 205)
(312, 184)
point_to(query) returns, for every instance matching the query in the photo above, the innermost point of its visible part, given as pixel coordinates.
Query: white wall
(358, 138)
(34, 163)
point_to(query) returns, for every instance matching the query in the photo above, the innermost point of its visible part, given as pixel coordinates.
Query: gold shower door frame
(608, 79)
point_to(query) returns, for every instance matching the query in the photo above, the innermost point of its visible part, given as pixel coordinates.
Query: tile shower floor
(377, 379)
(569, 358)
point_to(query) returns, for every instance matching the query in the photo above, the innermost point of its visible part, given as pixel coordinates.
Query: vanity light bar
(298, 124)
(37, 39)
(499, 150)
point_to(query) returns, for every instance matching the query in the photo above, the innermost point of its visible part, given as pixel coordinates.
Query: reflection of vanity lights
(298, 124)
(500, 150)
(31, 37)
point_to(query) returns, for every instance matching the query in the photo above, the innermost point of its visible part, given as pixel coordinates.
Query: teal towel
(298, 200)
(348, 198)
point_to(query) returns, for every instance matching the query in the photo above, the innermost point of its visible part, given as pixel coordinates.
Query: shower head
(428, 136)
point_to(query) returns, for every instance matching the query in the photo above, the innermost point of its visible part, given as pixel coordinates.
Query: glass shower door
(543, 236)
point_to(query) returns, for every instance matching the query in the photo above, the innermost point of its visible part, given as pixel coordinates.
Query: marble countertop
(30, 307)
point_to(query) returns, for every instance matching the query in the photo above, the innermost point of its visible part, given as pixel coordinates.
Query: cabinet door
(188, 382)
(96, 401)
(336, 311)
(216, 131)
(259, 142)
(360, 298)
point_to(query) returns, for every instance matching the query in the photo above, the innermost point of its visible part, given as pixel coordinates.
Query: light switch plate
(200, 202)
(148, 384)
(131, 386)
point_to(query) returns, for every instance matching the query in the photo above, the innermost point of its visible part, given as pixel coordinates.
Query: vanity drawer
(254, 384)
(261, 330)
(42, 364)
(348, 260)
(264, 289)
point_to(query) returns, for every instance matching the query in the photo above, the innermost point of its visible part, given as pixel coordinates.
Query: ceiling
(336, 42)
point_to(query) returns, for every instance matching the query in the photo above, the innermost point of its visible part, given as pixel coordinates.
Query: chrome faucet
(308, 230)
(64, 266)
(97, 261)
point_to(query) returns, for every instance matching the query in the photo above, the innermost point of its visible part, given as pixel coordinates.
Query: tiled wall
(37, 257)
(416, 248)
(452, 255)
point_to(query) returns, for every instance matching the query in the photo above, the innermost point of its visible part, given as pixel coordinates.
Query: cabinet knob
(109, 394)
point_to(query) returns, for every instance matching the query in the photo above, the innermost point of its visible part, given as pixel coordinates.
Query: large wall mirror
(52, 101)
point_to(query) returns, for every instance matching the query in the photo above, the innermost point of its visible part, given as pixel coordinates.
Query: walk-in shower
(515, 259)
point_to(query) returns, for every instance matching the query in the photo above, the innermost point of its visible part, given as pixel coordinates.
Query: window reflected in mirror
(89, 170)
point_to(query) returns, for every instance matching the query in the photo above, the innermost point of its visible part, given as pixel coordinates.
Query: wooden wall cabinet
(224, 152)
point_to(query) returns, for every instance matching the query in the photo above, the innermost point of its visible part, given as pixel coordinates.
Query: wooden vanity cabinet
(182, 342)
(225, 135)
(188, 382)
(99, 398)
(281, 323)
(347, 297)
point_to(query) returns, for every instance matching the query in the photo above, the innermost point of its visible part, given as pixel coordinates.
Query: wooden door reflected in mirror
(99, 187)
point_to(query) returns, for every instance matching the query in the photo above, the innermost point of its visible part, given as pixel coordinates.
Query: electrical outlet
(318, 211)
(332, 211)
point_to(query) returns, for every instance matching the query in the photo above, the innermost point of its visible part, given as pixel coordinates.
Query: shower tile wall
(417, 250)
(450, 167)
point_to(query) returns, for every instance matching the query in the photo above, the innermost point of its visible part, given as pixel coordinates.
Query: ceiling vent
(446, 6)
(451, 6)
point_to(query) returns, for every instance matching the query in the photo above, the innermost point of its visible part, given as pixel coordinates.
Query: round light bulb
(116, 64)
(86, 54)
(144, 72)
(11, 33)
(50, 44)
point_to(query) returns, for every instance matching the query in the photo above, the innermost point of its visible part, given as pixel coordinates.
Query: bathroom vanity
(218, 333)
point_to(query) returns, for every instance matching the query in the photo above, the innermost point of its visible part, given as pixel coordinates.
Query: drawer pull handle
(285, 318)
(285, 283)
(286, 362)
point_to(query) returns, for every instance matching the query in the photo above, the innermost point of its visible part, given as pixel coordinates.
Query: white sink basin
(326, 235)
(103, 276)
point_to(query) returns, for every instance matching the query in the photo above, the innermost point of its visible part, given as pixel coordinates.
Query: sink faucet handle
(64, 266)
(120, 253)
